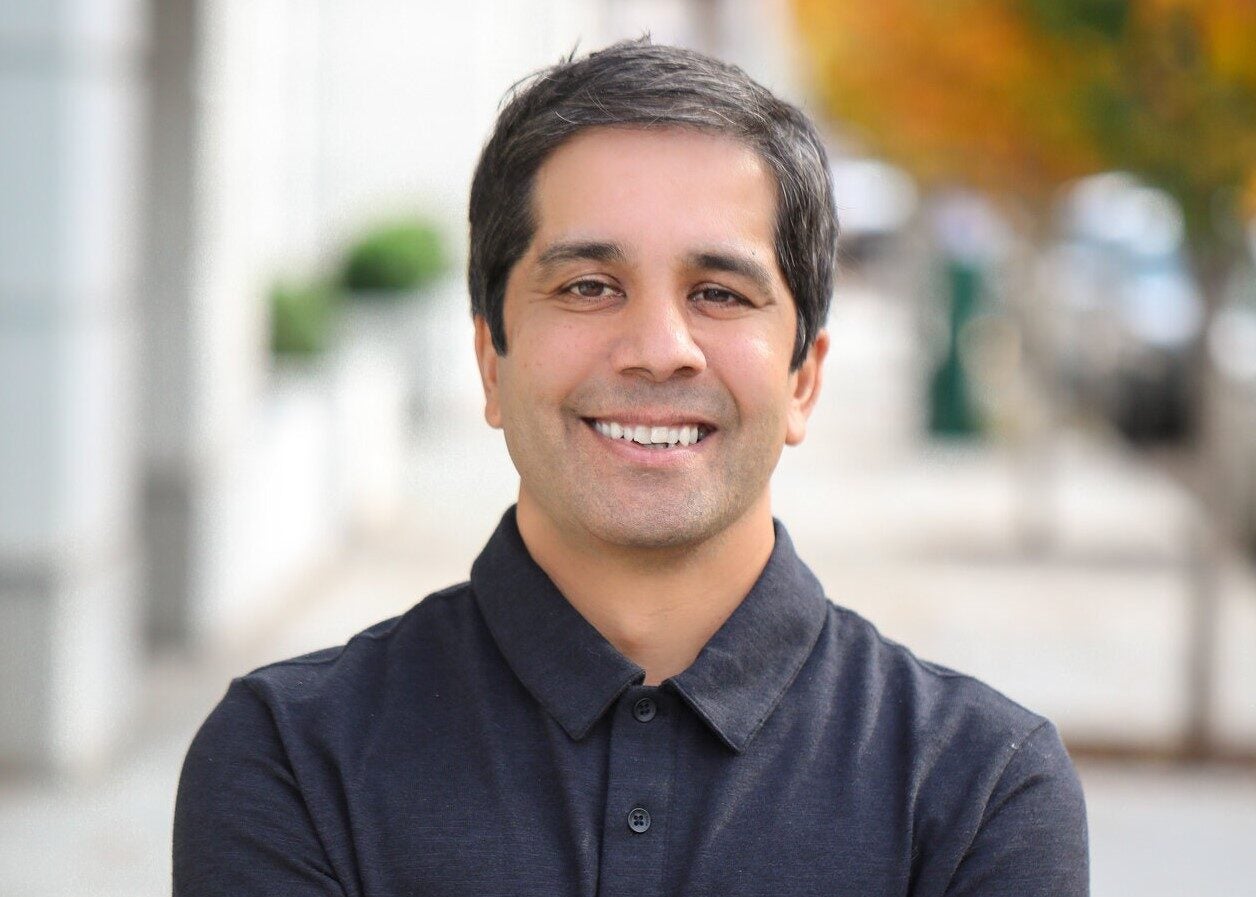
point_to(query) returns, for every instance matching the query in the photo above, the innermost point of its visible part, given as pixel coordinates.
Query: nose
(656, 341)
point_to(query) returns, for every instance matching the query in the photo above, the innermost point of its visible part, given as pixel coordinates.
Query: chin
(647, 536)
(672, 527)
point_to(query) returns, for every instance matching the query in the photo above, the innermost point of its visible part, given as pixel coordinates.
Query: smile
(651, 436)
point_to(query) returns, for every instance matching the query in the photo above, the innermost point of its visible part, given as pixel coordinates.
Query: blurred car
(1128, 311)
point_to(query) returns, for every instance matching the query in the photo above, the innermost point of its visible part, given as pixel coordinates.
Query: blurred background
(240, 416)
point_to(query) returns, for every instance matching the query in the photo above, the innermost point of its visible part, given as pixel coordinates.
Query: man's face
(649, 308)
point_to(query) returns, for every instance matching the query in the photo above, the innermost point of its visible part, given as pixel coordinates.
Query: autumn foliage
(1018, 96)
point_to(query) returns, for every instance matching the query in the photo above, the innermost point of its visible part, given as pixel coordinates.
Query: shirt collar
(576, 674)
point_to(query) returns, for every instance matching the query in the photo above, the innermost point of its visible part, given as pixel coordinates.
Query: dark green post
(951, 408)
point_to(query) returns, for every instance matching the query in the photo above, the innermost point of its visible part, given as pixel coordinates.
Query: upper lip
(652, 419)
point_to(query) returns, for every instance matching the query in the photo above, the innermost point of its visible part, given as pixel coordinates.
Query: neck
(657, 606)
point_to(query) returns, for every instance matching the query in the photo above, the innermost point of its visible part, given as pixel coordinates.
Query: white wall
(69, 181)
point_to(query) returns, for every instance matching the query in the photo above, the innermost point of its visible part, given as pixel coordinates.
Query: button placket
(638, 795)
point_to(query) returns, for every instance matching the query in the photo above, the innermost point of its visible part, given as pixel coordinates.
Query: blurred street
(921, 539)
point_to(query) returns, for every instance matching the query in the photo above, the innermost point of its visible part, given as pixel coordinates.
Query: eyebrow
(580, 251)
(733, 263)
(703, 259)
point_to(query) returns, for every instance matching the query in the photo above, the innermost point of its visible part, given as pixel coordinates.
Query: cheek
(551, 335)
(757, 374)
(546, 362)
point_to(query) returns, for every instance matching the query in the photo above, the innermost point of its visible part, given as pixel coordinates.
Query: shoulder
(975, 767)
(940, 703)
(270, 762)
(343, 687)
(436, 617)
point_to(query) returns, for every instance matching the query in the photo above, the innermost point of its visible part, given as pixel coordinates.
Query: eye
(591, 289)
(719, 296)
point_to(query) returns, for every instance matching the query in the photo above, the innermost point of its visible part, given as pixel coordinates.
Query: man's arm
(241, 826)
(1032, 840)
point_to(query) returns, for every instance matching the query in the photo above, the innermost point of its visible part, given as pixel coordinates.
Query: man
(641, 690)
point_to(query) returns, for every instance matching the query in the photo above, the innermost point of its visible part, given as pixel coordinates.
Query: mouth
(660, 438)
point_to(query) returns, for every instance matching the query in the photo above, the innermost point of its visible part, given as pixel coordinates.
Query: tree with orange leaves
(1019, 96)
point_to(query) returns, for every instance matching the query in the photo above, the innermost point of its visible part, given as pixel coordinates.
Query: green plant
(300, 318)
(398, 256)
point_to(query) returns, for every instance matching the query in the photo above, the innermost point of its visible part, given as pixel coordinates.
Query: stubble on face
(642, 508)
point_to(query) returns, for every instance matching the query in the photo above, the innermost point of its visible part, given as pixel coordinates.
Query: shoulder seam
(939, 671)
(333, 652)
(292, 771)
(998, 780)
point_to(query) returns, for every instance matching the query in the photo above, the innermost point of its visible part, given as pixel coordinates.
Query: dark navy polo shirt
(491, 741)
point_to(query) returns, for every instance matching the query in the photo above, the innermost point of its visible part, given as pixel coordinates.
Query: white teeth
(686, 435)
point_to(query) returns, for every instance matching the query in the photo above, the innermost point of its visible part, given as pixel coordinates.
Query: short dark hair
(640, 84)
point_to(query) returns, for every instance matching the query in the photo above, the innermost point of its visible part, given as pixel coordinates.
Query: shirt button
(638, 819)
(644, 710)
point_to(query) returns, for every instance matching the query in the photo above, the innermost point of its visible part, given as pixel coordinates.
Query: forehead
(646, 187)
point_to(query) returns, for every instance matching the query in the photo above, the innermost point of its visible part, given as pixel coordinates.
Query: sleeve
(1032, 840)
(241, 826)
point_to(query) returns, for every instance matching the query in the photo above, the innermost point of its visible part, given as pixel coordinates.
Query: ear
(486, 357)
(805, 383)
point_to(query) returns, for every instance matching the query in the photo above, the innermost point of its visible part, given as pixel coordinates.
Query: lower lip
(651, 457)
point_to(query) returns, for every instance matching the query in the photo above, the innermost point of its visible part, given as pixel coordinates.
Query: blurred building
(161, 163)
